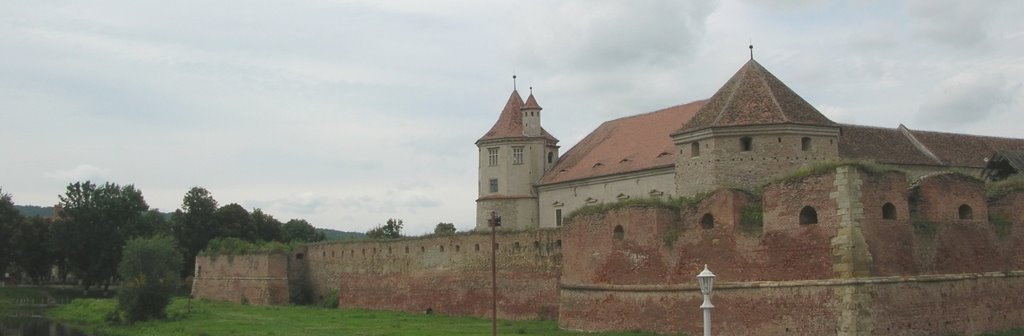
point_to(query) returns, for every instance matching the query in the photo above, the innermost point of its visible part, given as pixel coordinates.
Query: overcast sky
(347, 113)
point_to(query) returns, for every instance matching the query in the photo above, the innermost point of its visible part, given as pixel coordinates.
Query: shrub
(149, 271)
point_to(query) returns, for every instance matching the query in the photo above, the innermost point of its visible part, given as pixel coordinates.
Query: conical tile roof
(753, 96)
(531, 103)
(510, 122)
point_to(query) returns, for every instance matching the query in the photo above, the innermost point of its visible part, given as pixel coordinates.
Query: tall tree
(268, 228)
(32, 254)
(444, 229)
(195, 224)
(301, 230)
(95, 222)
(235, 221)
(9, 217)
(391, 230)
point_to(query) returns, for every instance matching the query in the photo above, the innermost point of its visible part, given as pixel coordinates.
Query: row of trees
(93, 222)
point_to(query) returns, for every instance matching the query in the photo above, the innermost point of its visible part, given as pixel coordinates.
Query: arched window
(746, 144)
(515, 246)
(888, 211)
(618, 234)
(805, 143)
(808, 216)
(966, 212)
(695, 149)
(708, 221)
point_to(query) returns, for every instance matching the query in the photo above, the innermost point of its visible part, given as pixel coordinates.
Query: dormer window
(746, 144)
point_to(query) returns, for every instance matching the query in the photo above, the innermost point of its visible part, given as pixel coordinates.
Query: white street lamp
(707, 283)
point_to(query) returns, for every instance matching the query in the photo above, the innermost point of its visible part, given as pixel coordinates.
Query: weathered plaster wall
(570, 196)
(260, 279)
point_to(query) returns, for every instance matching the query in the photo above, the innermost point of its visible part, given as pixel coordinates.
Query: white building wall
(573, 195)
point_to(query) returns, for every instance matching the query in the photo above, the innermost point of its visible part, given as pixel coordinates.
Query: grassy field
(218, 318)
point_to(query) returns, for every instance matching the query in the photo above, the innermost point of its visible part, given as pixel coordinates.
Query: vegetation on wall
(1003, 226)
(752, 218)
(391, 230)
(235, 246)
(825, 167)
(999, 189)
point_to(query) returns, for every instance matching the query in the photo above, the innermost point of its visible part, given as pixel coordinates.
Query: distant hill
(33, 210)
(342, 235)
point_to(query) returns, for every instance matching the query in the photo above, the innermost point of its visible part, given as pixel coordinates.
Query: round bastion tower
(514, 155)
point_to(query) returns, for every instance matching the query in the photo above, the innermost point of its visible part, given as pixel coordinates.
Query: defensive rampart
(845, 253)
(260, 279)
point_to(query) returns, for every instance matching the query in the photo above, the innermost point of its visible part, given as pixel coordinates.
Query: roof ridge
(771, 94)
(918, 144)
(655, 111)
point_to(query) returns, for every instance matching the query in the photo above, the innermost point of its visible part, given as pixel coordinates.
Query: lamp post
(707, 283)
(495, 222)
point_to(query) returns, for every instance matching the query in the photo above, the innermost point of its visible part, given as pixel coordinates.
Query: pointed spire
(531, 102)
(751, 51)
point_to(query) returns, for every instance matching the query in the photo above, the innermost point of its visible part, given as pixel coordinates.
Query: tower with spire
(514, 155)
(753, 129)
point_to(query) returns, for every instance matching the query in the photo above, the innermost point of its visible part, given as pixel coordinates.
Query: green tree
(195, 224)
(32, 254)
(149, 271)
(391, 230)
(268, 228)
(94, 223)
(235, 221)
(300, 230)
(444, 229)
(9, 217)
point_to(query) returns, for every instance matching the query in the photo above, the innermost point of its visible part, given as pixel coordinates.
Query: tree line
(92, 223)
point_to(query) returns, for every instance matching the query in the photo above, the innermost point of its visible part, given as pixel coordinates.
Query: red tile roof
(510, 122)
(965, 150)
(624, 145)
(754, 96)
(882, 145)
(531, 103)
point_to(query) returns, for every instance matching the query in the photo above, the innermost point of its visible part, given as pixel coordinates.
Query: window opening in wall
(551, 157)
(423, 249)
(746, 144)
(888, 211)
(558, 217)
(199, 269)
(457, 248)
(536, 245)
(476, 247)
(496, 246)
(352, 253)
(517, 155)
(780, 140)
(441, 248)
(516, 246)
(323, 254)
(494, 185)
(558, 244)
(966, 212)
(695, 149)
(492, 156)
(389, 249)
(618, 234)
(364, 252)
(805, 143)
(300, 255)
(332, 254)
(708, 221)
(808, 215)
(406, 249)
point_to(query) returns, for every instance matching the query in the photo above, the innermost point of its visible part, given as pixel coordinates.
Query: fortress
(813, 228)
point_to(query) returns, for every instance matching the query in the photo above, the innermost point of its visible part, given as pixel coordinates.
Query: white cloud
(81, 172)
(968, 98)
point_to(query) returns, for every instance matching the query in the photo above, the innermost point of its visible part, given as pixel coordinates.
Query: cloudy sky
(347, 113)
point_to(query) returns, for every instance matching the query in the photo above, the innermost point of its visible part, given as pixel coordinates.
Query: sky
(347, 113)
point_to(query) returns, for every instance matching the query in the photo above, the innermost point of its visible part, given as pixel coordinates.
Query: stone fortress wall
(846, 252)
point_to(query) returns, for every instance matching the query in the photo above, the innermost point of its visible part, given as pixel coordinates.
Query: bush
(149, 271)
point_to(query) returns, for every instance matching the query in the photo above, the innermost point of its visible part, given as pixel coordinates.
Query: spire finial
(531, 89)
(751, 51)
(513, 81)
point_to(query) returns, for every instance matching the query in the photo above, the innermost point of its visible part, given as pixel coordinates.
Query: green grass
(1011, 332)
(218, 318)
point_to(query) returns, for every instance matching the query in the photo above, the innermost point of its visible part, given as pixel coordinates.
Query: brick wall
(260, 279)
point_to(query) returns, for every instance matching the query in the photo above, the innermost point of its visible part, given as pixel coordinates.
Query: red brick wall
(260, 279)
(455, 281)
(890, 241)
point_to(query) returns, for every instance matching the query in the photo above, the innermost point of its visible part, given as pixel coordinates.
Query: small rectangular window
(558, 217)
(517, 155)
(492, 156)
(494, 185)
